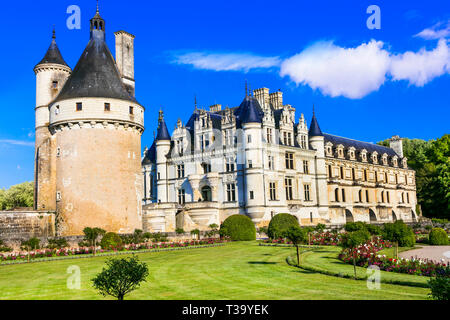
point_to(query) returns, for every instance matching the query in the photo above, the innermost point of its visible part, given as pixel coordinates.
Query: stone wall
(16, 226)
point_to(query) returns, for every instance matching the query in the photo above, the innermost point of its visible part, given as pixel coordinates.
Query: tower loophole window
(55, 85)
(107, 107)
(79, 106)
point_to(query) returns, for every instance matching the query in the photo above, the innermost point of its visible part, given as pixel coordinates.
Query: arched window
(367, 196)
(206, 193)
(348, 216)
(382, 196)
(343, 195)
(360, 195)
(372, 216)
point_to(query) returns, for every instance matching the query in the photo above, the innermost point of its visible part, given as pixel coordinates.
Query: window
(231, 192)
(55, 85)
(180, 171)
(58, 152)
(206, 168)
(288, 185)
(342, 172)
(407, 197)
(403, 198)
(305, 167)
(271, 162)
(273, 191)
(181, 196)
(79, 106)
(367, 196)
(252, 195)
(382, 196)
(336, 195)
(330, 173)
(289, 160)
(285, 138)
(107, 107)
(360, 196)
(303, 142)
(180, 146)
(365, 175)
(307, 192)
(289, 138)
(250, 164)
(249, 138)
(343, 195)
(387, 197)
(269, 135)
(57, 110)
(159, 176)
(311, 217)
(58, 196)
(230, 165)
(131, 110)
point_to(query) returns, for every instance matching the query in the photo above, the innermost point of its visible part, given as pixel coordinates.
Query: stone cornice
(95, 123)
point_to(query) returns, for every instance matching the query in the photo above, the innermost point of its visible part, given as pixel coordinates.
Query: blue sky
(365, 84)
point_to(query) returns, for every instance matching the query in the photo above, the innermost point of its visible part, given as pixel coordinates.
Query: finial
(161, 115)
(314, 110)
(154, 135)
(54, 33)
(195, 98)
(246, 89)
(97, 7)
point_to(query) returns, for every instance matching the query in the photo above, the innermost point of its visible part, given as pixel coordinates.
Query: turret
(162, 150)
(51, 74)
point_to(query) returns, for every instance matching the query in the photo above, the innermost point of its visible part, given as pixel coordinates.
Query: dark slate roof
(96, 74)
(314, 129)
(150, 156)
(359, 145)
(250, 111)
(53, 54)
(163, 133)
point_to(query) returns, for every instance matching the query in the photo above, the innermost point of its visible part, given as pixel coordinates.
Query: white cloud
(17, 142)
(227, 61)
(438, 31)
(337, 71)
(423, 66)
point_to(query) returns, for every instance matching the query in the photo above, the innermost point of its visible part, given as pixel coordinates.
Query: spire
(97, 26)
(53, 54)
(246, 89)
(162, 133)
(314, 130)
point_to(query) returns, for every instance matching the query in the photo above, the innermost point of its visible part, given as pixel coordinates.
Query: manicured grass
(236, 271)
(325, 260)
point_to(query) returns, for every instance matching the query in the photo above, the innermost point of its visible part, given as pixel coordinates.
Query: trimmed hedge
(399, 232)
(356, 226)
(111, 241)
(438, 237)
(280, 224)
(239, 228)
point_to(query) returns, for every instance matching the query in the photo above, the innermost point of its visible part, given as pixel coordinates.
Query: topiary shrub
(438, 237)
(373, 229)
(399, 232)
(239, 228)
(355, 226)
(280, 224)
(111, 241)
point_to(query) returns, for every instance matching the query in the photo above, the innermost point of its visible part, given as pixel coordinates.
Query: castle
(253, 159)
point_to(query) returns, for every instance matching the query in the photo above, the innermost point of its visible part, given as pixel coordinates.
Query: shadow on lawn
(261, 262)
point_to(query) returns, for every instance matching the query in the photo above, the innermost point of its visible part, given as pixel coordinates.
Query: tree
(120, 277)
(297, 236)
(196, 233)
(92, 235)
(352, 240)
(21, 195)
(280, 224)
(214, 230)
(179, 231)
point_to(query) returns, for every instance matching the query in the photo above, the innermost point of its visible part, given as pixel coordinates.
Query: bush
(158, 237)
(180, 231)
(280, 224)
(399, 232)
(110, 241)
(31, 244)
(320, 227)
(440, 288)
(355, 238)
(263, 230)
(438, 237)
(355, 226)
(373, 229)
(239, 228)
(57, 243)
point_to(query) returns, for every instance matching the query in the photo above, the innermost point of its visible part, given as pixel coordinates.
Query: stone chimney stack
(215, 108)
(396, 143)
(125, 59)
(262, 95)
(276, 99)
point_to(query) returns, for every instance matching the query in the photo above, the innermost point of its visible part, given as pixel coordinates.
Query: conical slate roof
(53, 54)
(314, 130)
(96, 74)
(162, 133)
(250, 111)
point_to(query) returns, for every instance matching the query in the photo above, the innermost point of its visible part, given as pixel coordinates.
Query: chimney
(215, 108)
(125, 59)
(262, 95)
(276, 100)
(396, 144)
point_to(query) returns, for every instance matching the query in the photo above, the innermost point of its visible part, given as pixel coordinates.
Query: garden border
(117, 253)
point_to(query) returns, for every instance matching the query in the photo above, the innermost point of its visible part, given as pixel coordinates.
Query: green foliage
(373, 229)
(438, 237)
(355, 238)
(180, 231)
(239, 228)
(399, 232)
(31, 244)
(159, 237)
(137, 237)
(355, 226)
(320, 227)
(297, 236)
(196, 233)
(431, 160)
(264, 230)
(120, 277)
(57, 243)
(18, 196)
(214, 230)
(280, 224)
(4, 248)
(91, 235)
(440, 288)
(112, 241)
(309, 229)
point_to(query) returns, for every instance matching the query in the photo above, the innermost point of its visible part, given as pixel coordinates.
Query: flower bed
(51, 253)
(366, 255)
(317, 239)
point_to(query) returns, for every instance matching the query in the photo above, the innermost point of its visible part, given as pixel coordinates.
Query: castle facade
(256, 160)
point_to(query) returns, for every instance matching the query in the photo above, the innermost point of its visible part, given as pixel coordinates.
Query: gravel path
(435, 253)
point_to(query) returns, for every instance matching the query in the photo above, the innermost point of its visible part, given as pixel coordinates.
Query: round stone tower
(51, 74)
(97, 126)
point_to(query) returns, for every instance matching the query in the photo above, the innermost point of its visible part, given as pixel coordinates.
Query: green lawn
(236, 271)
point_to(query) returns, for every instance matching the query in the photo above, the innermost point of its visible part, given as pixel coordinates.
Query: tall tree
(18, 196)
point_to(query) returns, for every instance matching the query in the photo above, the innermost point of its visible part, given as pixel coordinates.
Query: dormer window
(364, 155)
(395, 161)
(385, 159)
(375, 157)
